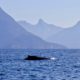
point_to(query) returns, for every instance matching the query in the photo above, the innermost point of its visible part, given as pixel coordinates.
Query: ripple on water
(65, 67)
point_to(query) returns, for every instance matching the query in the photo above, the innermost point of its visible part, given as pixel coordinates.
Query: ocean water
(66, 66)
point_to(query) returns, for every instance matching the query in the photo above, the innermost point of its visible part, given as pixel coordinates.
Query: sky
(64, 13)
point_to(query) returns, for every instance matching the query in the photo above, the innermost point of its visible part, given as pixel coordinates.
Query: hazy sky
(59, 12)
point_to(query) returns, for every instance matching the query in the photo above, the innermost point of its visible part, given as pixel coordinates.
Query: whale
(31, 57)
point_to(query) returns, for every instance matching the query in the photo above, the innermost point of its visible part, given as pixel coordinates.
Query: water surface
(65, 67)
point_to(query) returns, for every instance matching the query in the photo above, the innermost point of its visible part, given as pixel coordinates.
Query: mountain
(69, 37)
(14, 36)
(41, 29)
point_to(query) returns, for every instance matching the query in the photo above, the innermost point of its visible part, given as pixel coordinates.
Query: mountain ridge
(14, 36)
(69, 37)
(41, 29)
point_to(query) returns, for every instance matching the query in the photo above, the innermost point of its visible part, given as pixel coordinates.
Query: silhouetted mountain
(41, 29)
(12, 35)
(69, 37)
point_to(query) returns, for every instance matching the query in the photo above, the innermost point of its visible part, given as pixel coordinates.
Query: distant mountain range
(40, 36)
(69, 37)
(41, 29)
(66, 36)
(13, 35)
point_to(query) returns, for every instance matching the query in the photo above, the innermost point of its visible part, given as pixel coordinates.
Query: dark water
(65, 67)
